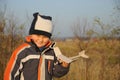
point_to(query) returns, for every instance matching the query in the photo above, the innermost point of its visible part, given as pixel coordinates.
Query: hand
(64, 64)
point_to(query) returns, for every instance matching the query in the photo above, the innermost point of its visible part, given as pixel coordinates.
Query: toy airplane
(67, 59)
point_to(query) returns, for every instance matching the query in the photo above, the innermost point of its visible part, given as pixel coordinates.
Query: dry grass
(103, 64)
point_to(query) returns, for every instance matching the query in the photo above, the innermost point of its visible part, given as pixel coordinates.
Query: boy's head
(41, 29)
(41, 25)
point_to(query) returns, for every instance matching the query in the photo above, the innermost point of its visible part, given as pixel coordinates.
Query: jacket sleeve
(12, 71)
(59, 70)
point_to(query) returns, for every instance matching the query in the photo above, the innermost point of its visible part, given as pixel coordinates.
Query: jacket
(29, 63)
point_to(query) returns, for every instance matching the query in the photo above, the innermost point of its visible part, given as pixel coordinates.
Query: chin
(40, 46)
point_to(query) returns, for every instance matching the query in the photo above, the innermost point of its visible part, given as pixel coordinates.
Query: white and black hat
(41, 25)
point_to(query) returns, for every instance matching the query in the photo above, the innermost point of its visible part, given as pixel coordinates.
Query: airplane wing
(81, 54)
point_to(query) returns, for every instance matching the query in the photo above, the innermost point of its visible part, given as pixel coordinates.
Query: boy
(35, 59)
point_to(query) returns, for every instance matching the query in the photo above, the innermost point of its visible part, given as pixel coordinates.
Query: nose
(40, 38)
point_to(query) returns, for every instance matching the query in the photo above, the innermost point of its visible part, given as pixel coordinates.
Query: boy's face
(39, 40)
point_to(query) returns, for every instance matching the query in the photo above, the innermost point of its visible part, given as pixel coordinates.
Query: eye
(45, 37)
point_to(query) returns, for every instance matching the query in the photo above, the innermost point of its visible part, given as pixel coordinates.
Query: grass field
(103, 64)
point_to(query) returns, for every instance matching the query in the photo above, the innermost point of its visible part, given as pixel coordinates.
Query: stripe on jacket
(12, 61)
(25, 60)
(41, 68)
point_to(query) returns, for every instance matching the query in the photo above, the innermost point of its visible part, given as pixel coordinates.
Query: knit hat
(41, 25)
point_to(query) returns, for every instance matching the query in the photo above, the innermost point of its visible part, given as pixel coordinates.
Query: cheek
(46, 40)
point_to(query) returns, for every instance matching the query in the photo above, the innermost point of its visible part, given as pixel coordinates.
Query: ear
(28, 38)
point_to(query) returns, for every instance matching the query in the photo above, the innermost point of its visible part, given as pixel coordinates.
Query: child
(35, 59)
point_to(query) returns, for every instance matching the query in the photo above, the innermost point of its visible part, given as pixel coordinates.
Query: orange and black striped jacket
(29, 63)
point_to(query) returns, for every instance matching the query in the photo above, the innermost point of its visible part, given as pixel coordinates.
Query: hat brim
(39, 32)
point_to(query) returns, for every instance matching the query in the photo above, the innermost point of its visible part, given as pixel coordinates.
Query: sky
(64, 12)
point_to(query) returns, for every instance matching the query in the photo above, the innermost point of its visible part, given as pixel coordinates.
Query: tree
(117, 4)
(116, 21)
(10, 36)
(79, 28)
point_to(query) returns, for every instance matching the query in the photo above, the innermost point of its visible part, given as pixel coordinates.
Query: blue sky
(64, 12)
